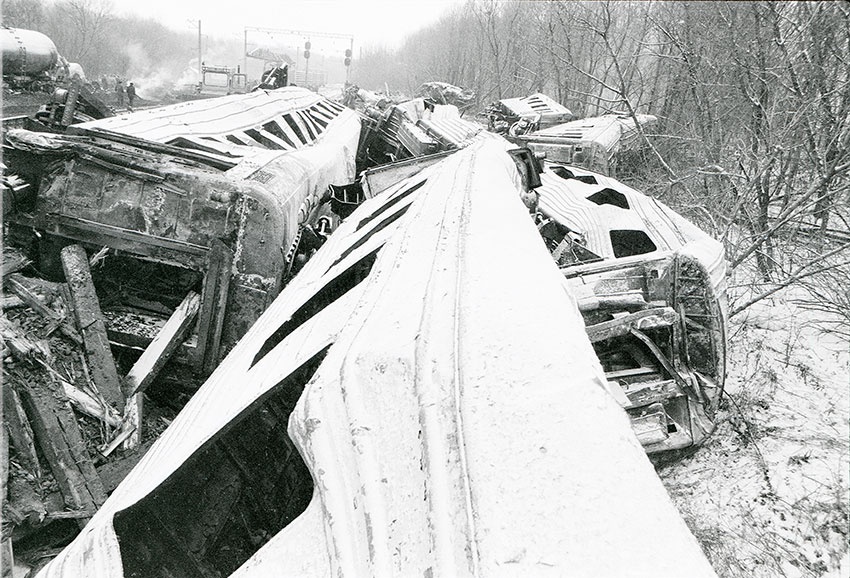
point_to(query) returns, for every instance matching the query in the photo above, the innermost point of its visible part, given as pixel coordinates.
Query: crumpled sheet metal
(446, 123)
(565, 200)
(460, 425)
(456, 424)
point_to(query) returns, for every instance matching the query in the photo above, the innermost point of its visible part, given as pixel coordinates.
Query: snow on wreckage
(432, 397)
(231, 449)
(651, 285)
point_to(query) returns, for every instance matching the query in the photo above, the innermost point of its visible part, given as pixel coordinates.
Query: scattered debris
(444, 93)
(536, 108)
(162, 204)
(175, 233)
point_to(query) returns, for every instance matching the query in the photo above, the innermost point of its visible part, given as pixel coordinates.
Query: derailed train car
(599, 143)
(445, 418)
(651, 287)
(211, 196)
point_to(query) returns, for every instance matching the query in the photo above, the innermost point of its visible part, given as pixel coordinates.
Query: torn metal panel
(417, 128)
(595, 143)
(421, 422)
(445, 124)
(380, 178)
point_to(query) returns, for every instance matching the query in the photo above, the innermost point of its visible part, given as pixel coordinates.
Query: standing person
(131, 96)
(119, 91)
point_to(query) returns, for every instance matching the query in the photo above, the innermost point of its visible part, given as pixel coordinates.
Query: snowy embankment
(768, 495)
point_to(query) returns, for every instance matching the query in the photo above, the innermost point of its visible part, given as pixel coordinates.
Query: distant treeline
(753, 100)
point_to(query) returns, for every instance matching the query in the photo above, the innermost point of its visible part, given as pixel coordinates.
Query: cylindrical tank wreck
(26, 53)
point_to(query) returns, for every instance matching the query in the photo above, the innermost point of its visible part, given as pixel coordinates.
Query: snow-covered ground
(768, 495)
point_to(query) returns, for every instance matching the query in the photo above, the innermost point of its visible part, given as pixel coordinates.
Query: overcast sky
(371, 22)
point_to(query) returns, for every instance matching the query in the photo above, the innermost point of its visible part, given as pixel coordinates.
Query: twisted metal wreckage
(429, 394)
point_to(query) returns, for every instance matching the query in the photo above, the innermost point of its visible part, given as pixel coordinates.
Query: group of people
(131, 94)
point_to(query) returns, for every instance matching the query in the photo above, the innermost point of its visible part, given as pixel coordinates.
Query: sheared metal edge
(459, 426)
(95, 552)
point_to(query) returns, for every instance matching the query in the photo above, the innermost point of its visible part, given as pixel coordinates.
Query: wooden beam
(13, 261)
(28, 297)
(154, 358)
(20, 432)
(111, 474)
(4, 455)
(58, 435)
(7, 558)
(647, 319)
(12, 302)
(91, 323)
(213, 305)
(163, 346)
(21, 347)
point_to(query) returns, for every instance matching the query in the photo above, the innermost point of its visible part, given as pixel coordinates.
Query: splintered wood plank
(646, 319)
(91, 324)
(163, 346)
(4, 458)
(35, 303)
(61, 442)
(155, 356)
(21, 347)
(20, 432)
(13, 261)
(213, 304)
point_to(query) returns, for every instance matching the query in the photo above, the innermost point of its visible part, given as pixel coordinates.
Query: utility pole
(245, 56)
(200, 69)
(307, 62)
(348, 67)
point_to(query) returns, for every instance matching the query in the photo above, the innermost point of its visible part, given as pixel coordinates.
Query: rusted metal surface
(165, 185)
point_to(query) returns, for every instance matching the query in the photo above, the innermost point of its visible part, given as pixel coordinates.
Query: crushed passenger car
(651, 287)
(425, 389)
(211, 195)
(597, 143)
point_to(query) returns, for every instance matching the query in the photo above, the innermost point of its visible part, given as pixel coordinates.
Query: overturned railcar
(651, 287)
(211, 196)
(599, 143)
(536, 108)
(445, 418)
